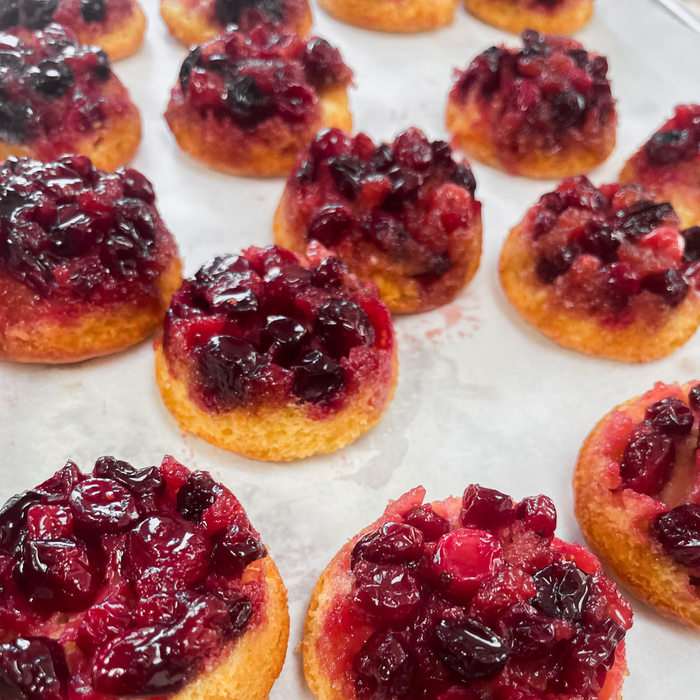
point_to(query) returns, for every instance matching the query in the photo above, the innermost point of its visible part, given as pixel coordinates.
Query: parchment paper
(482, 397)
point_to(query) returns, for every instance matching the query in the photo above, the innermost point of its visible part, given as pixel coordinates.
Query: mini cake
(129, 583)
(196, 21)
(59, 97)
(87, 266)
(547, 16)
(401, 16)
(247, 103)
(543, 111)
(465, 599)
(402, 215)
(604, 271)
(117, 26)
(669, 164)
(274, 356)
(637, 497)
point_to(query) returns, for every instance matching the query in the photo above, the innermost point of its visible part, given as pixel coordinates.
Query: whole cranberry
(387, 591)
(144, 484)
(678, 533)
(431, 524)
(101, 623)
(317, 377)
(330, 143)
(392, 543)
(464, 558)
(383, 668)
(235, 548)
(343, 325)
(246, 101)
(49, 522)
(568, 109)
(647, 463)
(137, 185)
(562, 591)
(538, 514)
(600, 240)
(531, 633)
(670, 416)
(666, 147)
(671, 286)
(619, 284)
(329, 224)
(486, 509)
(347, 172)
(469, 648)
(413, 150)
(102, 507)
(57, 574)
(283, 338)
(168, 550)
(642, 217)
(548, 269)
(691, 250)
(323, 64)
(59, 487)
(33, 668)
(198, 493)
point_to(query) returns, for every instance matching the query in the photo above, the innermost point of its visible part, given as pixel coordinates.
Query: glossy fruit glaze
(549, 92)
(677, 141)
(245, 78)
(611, 251)
(269, 328)
(472, 600)
(72, 235)
(76, 14)
(55, 91)
(409, 201)
(657, 458)
(245, 14)
(134, 579)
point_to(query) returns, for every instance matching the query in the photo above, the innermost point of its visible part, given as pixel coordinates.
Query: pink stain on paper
(457, 320)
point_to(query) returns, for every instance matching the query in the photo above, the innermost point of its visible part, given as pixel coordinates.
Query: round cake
(87, 266)
(247, 103)
(542, 111)
(117, 26)
(402, 215)
(465, 599)
(128, 583)
(400, 16)
(61, 97)
(274, 356)
(637, 497)
(546, 16)
(668, 165)
(196, 21)
(605, 271)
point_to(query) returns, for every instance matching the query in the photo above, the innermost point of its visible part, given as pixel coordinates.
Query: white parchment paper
(482, 397)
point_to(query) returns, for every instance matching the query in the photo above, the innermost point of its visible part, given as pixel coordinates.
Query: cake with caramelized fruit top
(542, 111)
(402, 215)
(465, 599)
(276, 356)
(606, 271)
(246, 103)
(136, 583)
(637, 497)
(87, 266)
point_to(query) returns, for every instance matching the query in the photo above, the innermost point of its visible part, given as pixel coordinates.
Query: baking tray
(482, 397)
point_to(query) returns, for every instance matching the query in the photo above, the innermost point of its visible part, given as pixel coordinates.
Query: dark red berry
(670, 416)
(198, 494)
(647, 463)
(691, 251)
(642, 217)
(330, 143)
(13, 516)
(413, 150)
(531, 633)
(102, 506)
(694, 397)
(392, 543)
(431, 524)
(343, 325)
(246, 101)
(283, 338)
(53, 78)
(548, 269)
(387, 591)
(329, 224)
(317, 378)
(619, 284)
(237, 548)
(671, 286)
(538, 514)
(93, 10)
(678, 533)
(145, 484)
(101, 624)
(562, 591)
(568, 109)
(383, 668)
(486, 508)
(666, 147)
(469, 648)
(33, 668)
(346, 172)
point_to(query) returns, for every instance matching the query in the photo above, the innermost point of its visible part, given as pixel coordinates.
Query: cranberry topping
(678, 533)
(406, 202)
(262, 327)
(536, 95)
(524, 621)
(127, 583)
(54, 91)
(72, 232)
(678, 140)
(250, 77)
(75, 14)
(610, 250)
